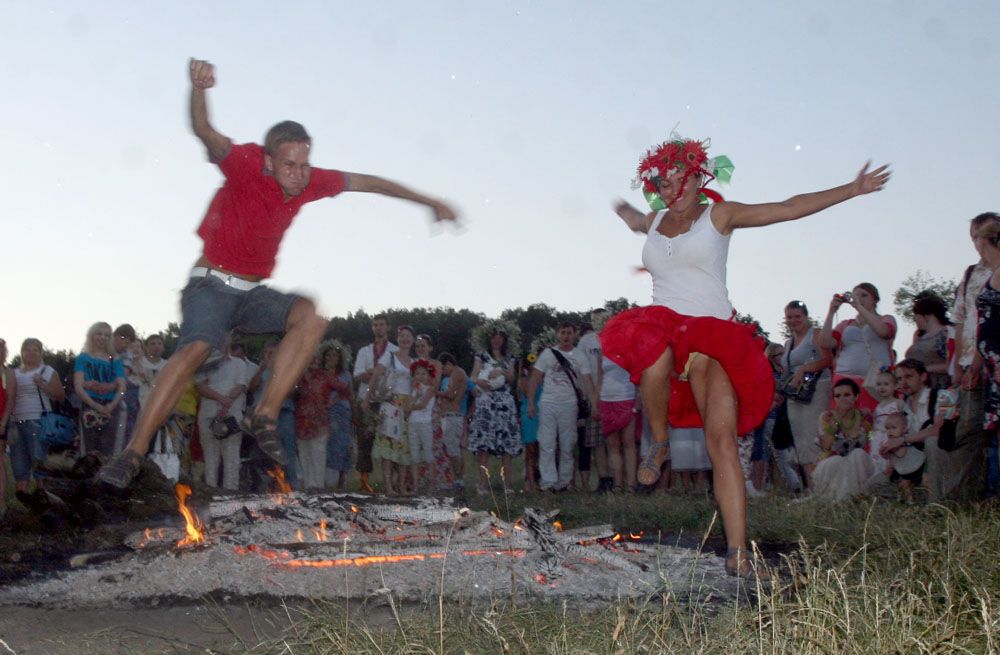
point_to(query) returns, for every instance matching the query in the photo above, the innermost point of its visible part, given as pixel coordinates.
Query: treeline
(449, 328)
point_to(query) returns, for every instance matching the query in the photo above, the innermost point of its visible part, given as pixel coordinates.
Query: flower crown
(423, 363)
(684, 157)
(482, 333)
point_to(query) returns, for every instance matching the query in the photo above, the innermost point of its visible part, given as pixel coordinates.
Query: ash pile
(343, 546)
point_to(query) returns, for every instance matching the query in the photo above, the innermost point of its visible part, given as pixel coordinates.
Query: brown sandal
(121, 470)
(649, 467)
(265, 430)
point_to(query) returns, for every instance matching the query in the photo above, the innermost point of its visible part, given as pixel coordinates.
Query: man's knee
(304, 315)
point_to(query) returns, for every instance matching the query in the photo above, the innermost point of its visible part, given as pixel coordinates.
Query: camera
(847, 296)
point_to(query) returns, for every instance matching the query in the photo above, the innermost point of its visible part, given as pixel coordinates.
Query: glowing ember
(299, 536)
(497, 531)
(192, 524)
(283, 557)
(557, 525)
(149, 535)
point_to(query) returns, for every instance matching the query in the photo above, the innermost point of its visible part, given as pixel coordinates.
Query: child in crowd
(420, 429)
(529, 424)
(907, 461)
(888, 404)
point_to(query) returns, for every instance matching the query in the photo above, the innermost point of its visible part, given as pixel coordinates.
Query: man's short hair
(566, 324)
(125, 330)
(447, 358)
(380, 317)
(285, 132)
(913, 364)
(154, 337)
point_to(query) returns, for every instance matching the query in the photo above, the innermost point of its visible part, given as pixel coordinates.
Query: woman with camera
(806, 383)
(863, 344)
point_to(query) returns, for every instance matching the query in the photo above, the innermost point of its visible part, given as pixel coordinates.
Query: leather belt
(230, 280)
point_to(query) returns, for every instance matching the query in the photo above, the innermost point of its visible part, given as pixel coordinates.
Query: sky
(529, 117)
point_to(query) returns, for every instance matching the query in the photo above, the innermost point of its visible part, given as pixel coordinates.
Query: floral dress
(391, 441)
(338, 448)
(843, 469)
(495, 428)
(988, 343)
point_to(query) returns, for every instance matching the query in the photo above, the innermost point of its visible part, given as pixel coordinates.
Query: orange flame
(558, 525)
(497, 531)
(355, 509)
(278, 475)
(636, 537)
(320, 533)
(299, 536)
(617, 537)
(192, 524)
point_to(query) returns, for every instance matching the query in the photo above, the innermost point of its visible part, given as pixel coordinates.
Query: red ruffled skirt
(635, 339)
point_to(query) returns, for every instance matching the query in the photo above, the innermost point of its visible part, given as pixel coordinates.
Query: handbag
(582, 404)
(945, 407)
(164, 453)
(805, 391)
(58, 429)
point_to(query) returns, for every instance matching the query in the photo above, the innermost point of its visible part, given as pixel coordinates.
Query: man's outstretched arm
(373, 184)
(203, 78)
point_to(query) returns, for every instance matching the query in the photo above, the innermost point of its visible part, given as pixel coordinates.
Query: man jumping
(265, 188)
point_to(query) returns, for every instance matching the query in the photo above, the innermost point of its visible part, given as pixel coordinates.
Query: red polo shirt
(249, 214)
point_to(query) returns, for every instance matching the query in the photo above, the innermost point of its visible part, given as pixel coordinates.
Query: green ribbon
(723, 169)
(655, 201)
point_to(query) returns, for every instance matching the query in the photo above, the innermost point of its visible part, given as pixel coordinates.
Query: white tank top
(689, 271)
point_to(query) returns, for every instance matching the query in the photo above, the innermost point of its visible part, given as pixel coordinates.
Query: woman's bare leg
(629, 455)
(387, 475)
(615, 463)
(654, 387)
(716, 399)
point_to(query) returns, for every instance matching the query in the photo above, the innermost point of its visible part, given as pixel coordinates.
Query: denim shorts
(210, 310)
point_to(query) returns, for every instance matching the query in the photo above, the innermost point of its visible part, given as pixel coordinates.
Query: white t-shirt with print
(557, 387)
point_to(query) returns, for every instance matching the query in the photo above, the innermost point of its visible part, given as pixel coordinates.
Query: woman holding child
(843, 465)
(494, 429)
(689, 358)
(391, 442)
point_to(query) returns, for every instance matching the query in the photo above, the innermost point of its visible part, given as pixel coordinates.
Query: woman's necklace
(845, 427)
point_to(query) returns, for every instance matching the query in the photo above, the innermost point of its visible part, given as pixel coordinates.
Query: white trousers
(312, 461)
(225, 450)
(556, 426)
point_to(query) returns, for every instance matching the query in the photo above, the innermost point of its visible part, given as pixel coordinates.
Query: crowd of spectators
(848, 418)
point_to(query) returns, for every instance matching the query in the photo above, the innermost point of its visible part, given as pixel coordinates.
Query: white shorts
(452, 426)
(421, 443)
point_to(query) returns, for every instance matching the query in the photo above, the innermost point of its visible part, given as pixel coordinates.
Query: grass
(857, 578)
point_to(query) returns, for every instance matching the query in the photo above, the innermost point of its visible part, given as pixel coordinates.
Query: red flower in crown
(423, 363)
(693, 154)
